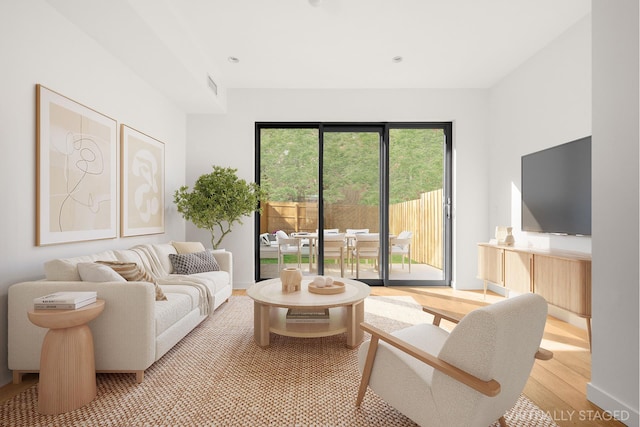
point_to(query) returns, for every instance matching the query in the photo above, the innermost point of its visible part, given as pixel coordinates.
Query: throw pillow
(92, 272)
(198, 262)
(188, 247)
(133, 273)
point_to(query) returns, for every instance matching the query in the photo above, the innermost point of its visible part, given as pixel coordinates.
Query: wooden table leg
(355, 316)
(67, 370)
(261, 324)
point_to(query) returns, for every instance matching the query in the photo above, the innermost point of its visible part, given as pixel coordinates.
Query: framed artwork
(142, 182)
(76, 167)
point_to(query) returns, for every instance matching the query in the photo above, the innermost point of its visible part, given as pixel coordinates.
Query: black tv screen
(556, 189)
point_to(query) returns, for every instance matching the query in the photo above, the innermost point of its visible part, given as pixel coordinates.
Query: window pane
(289, 172)
(416, 171)
(351, 195)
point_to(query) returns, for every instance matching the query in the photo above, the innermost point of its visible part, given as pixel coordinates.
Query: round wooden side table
(67, 364)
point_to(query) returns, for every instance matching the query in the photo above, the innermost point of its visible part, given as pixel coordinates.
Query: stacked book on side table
(308, 315)
(64, 300)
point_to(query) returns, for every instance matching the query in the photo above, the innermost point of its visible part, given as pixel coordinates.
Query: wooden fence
(422, 216)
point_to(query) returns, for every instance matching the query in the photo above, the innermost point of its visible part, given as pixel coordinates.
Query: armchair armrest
(438, 315)
(490, 388)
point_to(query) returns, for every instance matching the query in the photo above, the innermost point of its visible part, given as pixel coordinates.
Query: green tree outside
(289, 165)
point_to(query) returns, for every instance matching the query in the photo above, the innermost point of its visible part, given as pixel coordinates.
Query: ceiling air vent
(212, 85)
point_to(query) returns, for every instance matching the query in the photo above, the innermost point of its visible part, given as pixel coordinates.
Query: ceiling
(176, 44)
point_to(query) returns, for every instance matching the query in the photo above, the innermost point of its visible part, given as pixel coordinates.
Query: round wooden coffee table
(67, 365)
(346, 311)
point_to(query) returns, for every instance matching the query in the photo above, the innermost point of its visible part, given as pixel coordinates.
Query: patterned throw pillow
(198, 262)
(133, 273)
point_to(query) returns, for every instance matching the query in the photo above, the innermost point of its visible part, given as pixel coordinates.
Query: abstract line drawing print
(77, 185)
(142, 183)
(80, 196)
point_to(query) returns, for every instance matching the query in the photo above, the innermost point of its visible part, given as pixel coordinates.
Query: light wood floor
(558, 386)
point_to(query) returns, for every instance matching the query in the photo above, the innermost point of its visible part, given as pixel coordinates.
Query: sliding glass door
(365, 201)
(418, 203)
(287, 164)
(351, 200)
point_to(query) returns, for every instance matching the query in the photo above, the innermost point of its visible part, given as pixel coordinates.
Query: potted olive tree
(218, 200)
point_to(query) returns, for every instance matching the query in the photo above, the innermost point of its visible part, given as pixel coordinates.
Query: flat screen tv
(556, 189)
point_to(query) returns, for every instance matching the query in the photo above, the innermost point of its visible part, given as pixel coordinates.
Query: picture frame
(76, 171)
(142, 183)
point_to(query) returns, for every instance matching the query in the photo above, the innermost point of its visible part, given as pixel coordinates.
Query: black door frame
(383, 129)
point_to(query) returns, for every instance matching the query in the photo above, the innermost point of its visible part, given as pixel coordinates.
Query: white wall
(228, 140)
(543, 103)
(40, 46)
(616, 108)
(548, 101)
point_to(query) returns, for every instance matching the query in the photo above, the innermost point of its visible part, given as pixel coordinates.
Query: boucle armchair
(469, 377)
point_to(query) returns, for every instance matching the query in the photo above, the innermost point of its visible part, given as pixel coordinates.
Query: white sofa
(134, 330)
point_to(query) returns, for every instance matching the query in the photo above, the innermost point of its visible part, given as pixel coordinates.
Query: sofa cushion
(65, 269)
(93, 272)
(162, 252)
(133, 273)
(188, 247)
(128, 255)
(176, 307)
(198, 262)
(184, 289)
(214, 280)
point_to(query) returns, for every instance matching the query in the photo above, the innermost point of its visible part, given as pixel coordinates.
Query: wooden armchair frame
(489, 388)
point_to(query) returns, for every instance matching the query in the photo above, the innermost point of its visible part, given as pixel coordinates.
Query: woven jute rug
(218, 376)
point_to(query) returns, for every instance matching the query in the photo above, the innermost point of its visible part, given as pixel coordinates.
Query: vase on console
(504, 236)
(509, 239)
(291, 279)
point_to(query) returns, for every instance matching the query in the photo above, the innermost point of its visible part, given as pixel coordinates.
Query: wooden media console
(563, 278)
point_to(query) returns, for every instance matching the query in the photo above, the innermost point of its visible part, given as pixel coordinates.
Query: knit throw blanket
(152, 264)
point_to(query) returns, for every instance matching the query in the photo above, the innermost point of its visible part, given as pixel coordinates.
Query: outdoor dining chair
(287, 246)
(366, 247)
(335, 247)
(401, 245)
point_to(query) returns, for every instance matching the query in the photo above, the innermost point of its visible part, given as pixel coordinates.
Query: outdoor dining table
(313, 237)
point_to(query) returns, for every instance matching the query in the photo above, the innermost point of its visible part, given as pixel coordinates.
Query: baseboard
(612, 407)
(567, 316)
(557, 312)
(242, 285)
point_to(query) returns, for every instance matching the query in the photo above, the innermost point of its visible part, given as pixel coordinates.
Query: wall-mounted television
(556, 189)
